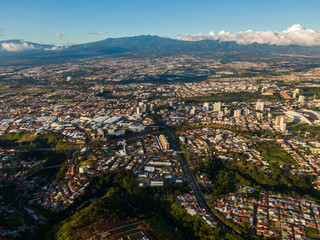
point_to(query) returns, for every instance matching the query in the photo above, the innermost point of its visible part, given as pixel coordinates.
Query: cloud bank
(296, 34)
(17, 47)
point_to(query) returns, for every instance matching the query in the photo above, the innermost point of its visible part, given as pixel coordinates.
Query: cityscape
(133, 123)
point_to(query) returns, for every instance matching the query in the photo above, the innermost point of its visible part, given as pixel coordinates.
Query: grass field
(161, 230)
(28, 137)
(302, 129)
(273, 152)
(312, 233)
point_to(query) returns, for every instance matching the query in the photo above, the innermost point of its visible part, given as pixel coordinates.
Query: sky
(65, 22)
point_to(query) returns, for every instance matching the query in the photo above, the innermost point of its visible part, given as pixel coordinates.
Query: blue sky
(80, 21)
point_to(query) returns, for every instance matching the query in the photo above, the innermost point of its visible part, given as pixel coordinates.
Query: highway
(196, 189)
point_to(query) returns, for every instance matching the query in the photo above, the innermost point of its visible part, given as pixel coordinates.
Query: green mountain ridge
(151, 46)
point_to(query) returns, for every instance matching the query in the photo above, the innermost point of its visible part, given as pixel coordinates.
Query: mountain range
(17, 51)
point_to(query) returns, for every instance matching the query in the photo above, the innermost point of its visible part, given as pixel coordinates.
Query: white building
(260, 106)
(206, 107)
(138, 110)
(301, 99)
(83, 169)
(237, 113)
(217, 107)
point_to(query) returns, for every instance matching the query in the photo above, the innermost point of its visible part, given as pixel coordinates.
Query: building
(301, 99)
(123, 152)
(259, 115)
(193, 110)
(205, 107)
(226, 111)
(83, 169)
(164, 142)
(294, 94)
(280, 123)
(237, 113)
(298, 117)
(246, 112)
(315, 147)
(155, 183)
(217, 107)
(220, 114)
(260, 106)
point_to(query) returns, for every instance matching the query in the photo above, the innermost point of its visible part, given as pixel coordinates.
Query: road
(195, 187)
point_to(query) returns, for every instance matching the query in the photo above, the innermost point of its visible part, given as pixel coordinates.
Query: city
(165, 134)
(160, 120)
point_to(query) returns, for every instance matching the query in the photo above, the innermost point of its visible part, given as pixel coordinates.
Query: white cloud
(296, 34)
(17, 47)
(55, 48)
(96, 33)
(59, 35)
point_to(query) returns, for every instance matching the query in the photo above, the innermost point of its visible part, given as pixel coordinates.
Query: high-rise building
(217, 107)
(164, 142)
(205, 107)
(280, 123)
(294, 94)
(193, 110)
(237, 113)
(301, 99)
(151, 107)
(260, 106)
(246, 112)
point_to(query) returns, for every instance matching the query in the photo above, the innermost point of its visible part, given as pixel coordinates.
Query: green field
(29, 140)
(303, 129)
(161, 230)
(312, 233)
(273, 152)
